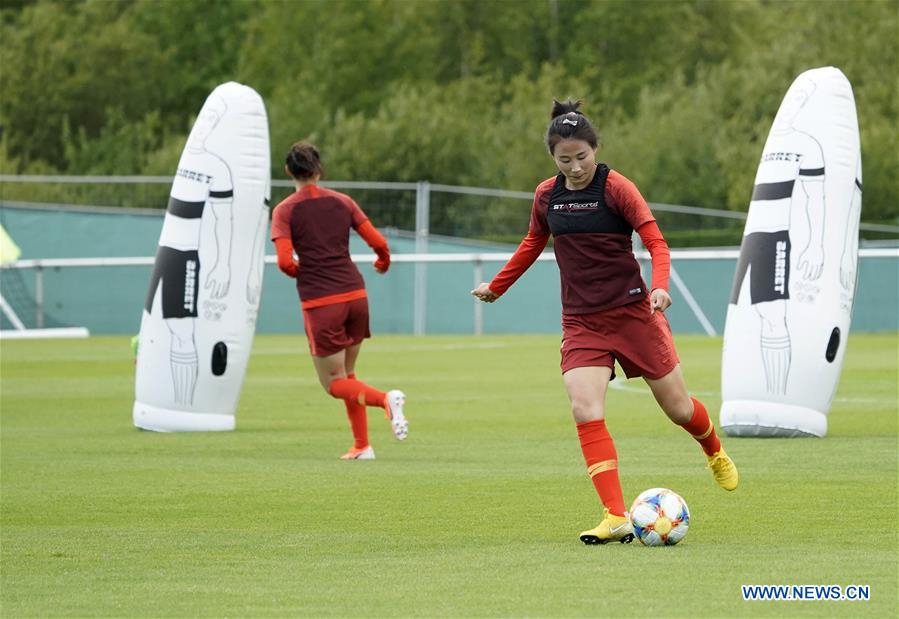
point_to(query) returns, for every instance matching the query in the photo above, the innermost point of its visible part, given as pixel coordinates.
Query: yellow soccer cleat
(612, 529)
(724, 470)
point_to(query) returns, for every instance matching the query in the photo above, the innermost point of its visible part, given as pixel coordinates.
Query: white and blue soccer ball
(660, 517)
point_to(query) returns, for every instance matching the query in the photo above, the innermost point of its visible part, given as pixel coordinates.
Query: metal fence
(417, 207)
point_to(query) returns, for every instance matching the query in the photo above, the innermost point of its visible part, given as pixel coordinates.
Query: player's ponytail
(569, 124)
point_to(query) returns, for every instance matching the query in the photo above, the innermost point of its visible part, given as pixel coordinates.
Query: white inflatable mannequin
(200, 313)
(790, 307)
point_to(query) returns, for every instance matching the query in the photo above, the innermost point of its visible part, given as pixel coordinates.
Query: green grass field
(476, 514)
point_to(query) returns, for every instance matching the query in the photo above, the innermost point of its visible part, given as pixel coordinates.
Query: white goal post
(21, 332)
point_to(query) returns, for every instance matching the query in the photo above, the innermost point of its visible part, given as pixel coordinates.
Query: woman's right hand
(484, 293)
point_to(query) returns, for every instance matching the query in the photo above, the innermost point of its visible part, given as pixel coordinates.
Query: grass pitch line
(619, 385)
(379, 348)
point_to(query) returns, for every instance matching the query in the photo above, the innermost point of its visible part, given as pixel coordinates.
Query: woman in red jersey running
(607, 315)
(315, 223)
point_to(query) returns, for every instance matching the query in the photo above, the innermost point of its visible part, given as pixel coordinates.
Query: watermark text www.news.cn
(791, 593)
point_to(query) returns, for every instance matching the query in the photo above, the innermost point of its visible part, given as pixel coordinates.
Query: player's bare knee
(584, 410)
(679, 410)
(326, 380)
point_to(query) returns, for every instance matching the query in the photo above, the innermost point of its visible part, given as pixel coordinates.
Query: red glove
(378, 243)
(383, 261)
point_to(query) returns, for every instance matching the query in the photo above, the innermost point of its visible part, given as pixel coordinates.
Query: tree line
(452, 91)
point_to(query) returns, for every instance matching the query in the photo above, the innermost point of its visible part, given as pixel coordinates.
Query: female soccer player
(591, 211)
(315, 223)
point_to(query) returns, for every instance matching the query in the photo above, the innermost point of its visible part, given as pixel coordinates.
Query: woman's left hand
(659, 300)
(484, 293)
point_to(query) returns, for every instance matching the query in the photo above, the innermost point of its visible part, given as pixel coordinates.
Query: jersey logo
(575, 206)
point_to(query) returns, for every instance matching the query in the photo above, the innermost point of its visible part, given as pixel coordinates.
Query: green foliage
(119, 144)
(456, 92)
(73, 64)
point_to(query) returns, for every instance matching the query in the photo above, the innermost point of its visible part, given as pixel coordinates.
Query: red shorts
(641, 342)
(335, 327)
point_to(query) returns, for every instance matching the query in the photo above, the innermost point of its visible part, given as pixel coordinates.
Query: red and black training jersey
(318, 223)
(592, 228)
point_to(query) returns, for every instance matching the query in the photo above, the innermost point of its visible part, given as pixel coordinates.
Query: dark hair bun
(568, 123)
(567, 107)
(303, 161)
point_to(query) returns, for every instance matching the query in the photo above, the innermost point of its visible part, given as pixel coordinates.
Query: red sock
(357, 391)
(355, 412)
(701, 428)
(602, 463)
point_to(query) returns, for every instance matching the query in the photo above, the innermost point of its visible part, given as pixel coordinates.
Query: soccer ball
(660, 517)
